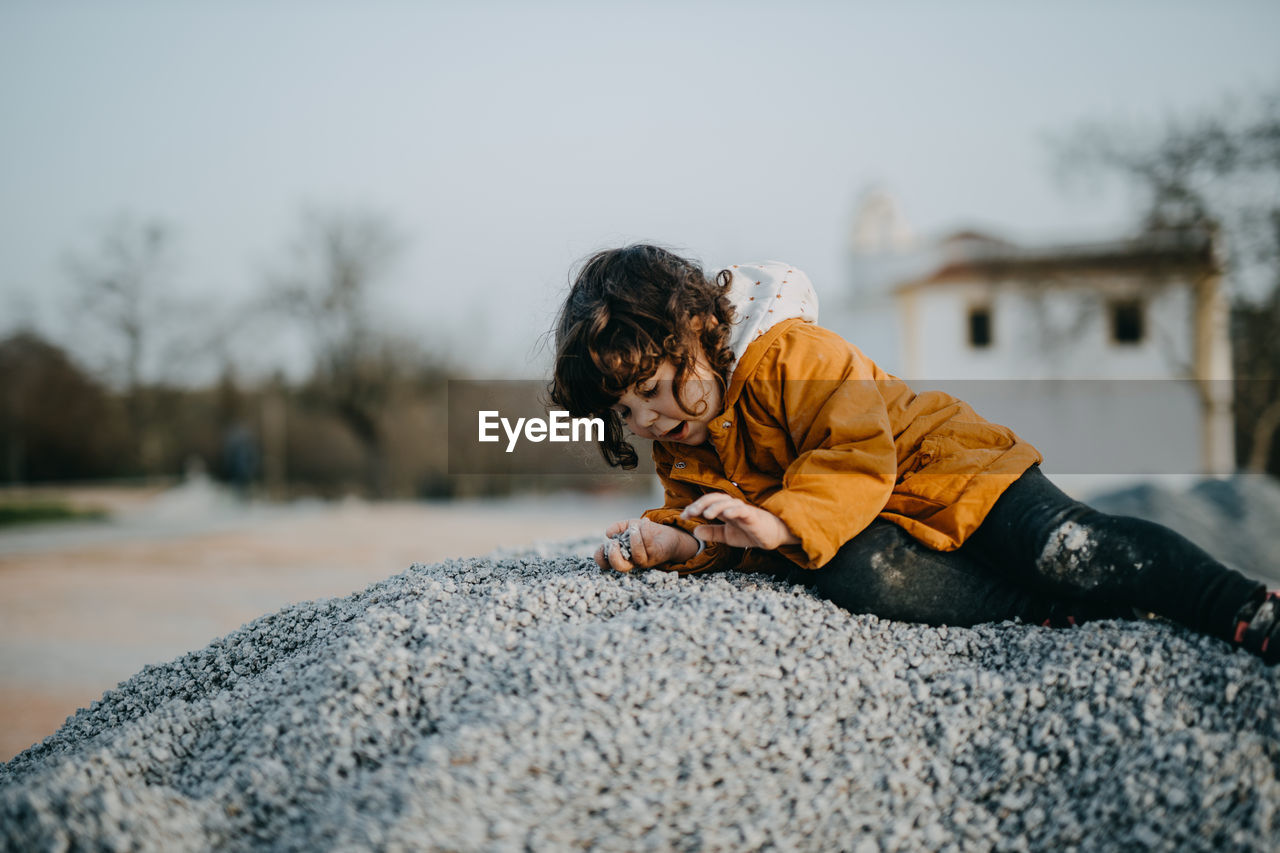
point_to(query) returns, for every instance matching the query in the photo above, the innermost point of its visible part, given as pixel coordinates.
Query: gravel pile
(529, 701)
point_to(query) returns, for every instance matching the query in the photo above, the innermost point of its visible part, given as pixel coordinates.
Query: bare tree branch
(333, 267)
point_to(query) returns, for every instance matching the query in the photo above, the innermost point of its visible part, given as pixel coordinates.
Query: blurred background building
(1094, 349)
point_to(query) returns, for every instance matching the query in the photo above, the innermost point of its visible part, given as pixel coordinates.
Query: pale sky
(508, 140)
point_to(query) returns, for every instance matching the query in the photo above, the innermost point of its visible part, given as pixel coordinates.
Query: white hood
(766, 293)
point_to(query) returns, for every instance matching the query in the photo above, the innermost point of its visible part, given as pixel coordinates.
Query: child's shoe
(1257, 627)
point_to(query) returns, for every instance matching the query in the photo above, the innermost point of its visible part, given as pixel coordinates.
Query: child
(783, 449)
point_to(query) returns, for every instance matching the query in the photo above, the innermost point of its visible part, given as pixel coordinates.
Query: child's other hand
(745, 526)
(656, 543)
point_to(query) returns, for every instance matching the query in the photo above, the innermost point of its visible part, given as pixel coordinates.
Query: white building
(1111, 357)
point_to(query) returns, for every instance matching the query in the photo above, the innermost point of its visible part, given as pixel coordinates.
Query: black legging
(1039, 555)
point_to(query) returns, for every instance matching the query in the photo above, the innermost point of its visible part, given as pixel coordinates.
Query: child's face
(649, 408)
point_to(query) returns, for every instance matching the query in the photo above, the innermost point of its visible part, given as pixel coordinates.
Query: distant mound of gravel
(529, 701)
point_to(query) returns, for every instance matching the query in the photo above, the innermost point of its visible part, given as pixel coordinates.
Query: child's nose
(646, 418)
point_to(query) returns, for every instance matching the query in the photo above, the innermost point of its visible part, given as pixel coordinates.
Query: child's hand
(745, 526)
(652, 544)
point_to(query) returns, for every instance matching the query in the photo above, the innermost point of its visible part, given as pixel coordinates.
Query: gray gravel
(529, 701)
(622, 541)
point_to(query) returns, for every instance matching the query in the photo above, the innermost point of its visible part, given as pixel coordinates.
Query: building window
(980, 327)
(1127, 325)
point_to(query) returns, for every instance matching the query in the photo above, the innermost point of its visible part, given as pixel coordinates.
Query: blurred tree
(1218, 171)
(359, 372)
(120, 285)
(145, 332)
(56, 423)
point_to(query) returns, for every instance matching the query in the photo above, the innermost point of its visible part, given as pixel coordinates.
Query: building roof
(969, 256)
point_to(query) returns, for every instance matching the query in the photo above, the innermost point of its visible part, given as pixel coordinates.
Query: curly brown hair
(628, 310)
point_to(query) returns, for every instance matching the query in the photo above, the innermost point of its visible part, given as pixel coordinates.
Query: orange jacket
(817, 434)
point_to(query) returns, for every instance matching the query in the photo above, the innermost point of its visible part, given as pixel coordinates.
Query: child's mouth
(677, 433)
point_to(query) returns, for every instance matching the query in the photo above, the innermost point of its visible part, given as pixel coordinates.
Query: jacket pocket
(949, 460)
(925, 453)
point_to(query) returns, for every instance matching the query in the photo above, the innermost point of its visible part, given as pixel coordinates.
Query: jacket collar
(750, 359)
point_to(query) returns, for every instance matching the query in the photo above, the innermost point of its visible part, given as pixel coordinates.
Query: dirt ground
(81, 612)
